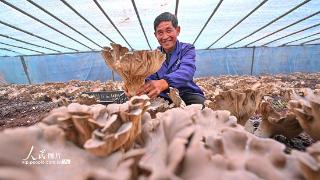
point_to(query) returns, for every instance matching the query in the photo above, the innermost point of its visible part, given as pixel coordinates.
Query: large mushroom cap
(133, 67)
(307, 110)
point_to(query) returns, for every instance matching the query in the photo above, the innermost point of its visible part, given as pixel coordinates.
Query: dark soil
(300, 142)
(16, 113)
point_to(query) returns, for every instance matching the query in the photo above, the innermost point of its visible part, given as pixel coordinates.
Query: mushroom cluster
(310, 161)
(274, 123)
(42, 152)
(182, 144)
(143, 139)
(99, 129)
(265, 98)
(205, 144)
(59, 93)
(242, 103)
(133, 67)
(307, 109)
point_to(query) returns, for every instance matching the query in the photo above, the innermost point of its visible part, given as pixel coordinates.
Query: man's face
(167, 35)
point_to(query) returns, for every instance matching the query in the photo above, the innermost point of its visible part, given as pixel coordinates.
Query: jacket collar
(175, 54)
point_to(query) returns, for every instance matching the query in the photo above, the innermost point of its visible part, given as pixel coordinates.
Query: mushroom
(99, 116)
(274, 123)
(86, 99)
(240, 104)
(121, 128)
(57, 115)
(157, 105)
(309, 161)
(17, 143)
(133, 67)
(245, 152)
(80, 115)
(103, 143)
(307, 110)
(211, 122)
(200, 163)
(63, 119)
(166, 145)
(175, 97)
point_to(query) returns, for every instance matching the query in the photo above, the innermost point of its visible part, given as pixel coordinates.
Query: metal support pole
(271, 22)
(176, 10)
(309, 41)
(205, 25)
(296, 22)
(25, 68)
(300, 39)
(9, 37)
(83, 18)
(141, 25)
(10, 50)
(239, 22)
(11, 45)
(105, 14)
(310, 27)
(44, 23)
(112, 75)
(252, 61)
(34, 35)
(63, 22)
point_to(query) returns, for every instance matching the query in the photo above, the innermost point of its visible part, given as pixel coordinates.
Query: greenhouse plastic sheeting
(223, 61)
(83, 66)
(266, 60)
(11, 70)
(55, 68)
(91, 66)
(287, 60)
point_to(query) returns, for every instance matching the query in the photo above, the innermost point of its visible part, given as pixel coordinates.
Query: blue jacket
(180, 71)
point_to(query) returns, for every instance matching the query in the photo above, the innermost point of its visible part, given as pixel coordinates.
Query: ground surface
(15, 113)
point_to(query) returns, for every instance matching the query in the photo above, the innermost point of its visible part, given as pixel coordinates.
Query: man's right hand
(153, 88)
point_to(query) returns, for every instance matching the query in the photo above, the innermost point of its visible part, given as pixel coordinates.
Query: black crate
(109, 97)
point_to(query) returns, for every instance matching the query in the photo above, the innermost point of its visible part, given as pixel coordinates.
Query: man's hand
(153, 88)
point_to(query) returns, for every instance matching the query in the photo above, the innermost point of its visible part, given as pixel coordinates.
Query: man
(179, 67)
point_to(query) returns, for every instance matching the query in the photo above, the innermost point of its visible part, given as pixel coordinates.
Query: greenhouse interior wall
(215, 62)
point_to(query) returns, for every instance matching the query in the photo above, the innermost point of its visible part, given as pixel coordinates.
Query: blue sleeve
(152, 77)
(186, 70)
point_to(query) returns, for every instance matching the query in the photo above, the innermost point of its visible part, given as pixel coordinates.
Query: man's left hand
(153, 88)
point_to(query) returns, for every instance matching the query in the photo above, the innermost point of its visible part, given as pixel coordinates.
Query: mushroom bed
(264, 127)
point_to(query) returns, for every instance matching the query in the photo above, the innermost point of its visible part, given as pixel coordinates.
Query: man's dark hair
(166, 16)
